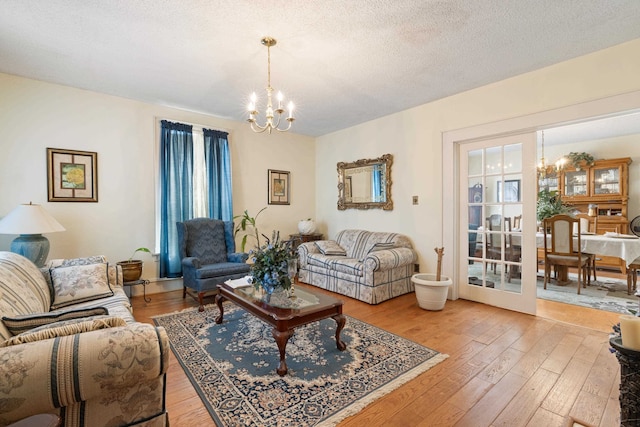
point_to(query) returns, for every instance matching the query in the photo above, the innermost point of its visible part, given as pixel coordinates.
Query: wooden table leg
(282, 337)
(219, 299)
(340, 320)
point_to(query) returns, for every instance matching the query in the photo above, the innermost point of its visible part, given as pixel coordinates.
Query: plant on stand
(270, 268)
(132, 268)
(247, 225)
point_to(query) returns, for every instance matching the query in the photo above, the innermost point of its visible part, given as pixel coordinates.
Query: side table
(629, 383)
(144, 284)
(296, 239)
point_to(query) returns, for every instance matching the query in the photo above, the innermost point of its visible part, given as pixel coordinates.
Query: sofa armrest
(108, 364)
(239, 257)
(387, 259)
(305, 249)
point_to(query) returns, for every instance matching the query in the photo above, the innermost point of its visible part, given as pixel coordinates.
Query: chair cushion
(206, 240)
(221, 269)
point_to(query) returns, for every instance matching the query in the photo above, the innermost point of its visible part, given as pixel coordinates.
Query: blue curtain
(218, 166)
(376, 183)
(176, 187)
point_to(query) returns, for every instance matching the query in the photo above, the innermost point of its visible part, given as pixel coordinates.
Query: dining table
(623, 246)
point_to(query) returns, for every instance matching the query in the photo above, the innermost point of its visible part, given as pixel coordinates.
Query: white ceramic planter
(431, 294)
(307, 226)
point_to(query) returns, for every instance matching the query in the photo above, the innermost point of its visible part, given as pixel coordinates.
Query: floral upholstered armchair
(208, 253)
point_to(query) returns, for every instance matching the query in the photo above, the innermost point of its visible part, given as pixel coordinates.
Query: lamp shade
(29, 219)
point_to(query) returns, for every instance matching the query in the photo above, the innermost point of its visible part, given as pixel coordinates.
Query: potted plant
(270, 268)
(247, 225)
(578, 159)
(132, 268)
(549, 204)
(432, 289)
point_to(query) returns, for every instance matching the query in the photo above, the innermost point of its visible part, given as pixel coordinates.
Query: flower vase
(307, 226)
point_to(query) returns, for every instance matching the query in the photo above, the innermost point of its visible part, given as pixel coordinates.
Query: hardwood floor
(504, 368)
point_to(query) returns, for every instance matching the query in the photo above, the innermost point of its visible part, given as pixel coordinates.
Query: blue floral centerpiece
(270, 268)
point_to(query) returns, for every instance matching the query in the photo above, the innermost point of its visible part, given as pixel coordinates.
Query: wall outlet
(415, 200)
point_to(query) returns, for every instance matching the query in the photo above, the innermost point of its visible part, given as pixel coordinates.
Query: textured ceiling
(341, 62)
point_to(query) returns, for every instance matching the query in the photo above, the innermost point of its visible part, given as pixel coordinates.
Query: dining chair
(632, 276)
(591, 223)
(513, 251)
(562, 250)
(493, 242)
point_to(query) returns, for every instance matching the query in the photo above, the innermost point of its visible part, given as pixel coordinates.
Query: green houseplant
(132, 268)
(549, 204)
(270, 268)
(247, 226)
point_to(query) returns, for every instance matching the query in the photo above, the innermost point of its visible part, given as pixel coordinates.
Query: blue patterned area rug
(232, 367)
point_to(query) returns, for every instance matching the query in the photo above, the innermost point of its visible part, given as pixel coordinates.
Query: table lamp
(30, 221)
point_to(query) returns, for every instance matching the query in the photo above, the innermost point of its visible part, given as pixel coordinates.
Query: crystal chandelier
(272, 122)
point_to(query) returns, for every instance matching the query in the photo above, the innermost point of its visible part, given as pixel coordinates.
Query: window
(195, 181)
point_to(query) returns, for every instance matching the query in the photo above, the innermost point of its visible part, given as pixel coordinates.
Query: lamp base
(32, 246)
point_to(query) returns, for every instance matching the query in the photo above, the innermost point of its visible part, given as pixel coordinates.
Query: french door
(497, 222)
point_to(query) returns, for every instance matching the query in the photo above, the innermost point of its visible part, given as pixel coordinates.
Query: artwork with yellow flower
(72, 175)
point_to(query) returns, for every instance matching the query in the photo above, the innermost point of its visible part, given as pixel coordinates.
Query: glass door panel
(606, 181)
(493, 225)
(575, 183)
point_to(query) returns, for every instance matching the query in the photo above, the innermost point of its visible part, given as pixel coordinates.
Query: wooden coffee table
(313, 307)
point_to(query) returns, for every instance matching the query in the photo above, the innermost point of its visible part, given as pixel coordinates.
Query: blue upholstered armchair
(207, 250)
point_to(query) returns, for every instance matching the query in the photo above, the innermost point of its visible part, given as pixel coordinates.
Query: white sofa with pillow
(369, 266)
(69, 345)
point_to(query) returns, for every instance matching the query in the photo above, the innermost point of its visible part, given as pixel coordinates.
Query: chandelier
(272, 121)
(542, 166)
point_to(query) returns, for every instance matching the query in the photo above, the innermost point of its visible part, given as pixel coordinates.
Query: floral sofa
(69, 345)
(369, 266)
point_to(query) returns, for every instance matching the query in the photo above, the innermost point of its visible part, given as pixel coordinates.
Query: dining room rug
(606, 293)
(232, 367)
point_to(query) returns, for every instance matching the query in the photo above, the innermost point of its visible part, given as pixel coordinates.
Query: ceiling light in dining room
(273, 115)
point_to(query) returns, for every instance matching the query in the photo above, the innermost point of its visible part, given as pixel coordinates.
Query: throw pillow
(19, 324)
(75, 284)
(61, 331)
(379, 247)
(330, 247)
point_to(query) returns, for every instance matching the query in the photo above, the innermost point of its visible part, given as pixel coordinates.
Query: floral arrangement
(270, 268)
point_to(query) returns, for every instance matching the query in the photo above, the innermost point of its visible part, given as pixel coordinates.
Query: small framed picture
(72, 176)
(278, 187)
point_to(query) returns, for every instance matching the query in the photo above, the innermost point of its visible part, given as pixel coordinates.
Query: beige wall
(35, 115)
(414, 137)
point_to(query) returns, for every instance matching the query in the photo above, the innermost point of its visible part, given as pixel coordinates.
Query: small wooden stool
(632, 277)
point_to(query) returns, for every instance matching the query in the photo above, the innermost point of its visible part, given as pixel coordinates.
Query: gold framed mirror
(365, 184)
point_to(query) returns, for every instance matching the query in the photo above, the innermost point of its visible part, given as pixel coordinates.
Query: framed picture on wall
(72, 176)
(511, 190)
(278, 187)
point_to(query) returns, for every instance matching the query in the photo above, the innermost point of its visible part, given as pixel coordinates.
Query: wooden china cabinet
(604, 184)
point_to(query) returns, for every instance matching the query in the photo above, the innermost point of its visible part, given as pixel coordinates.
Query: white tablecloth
(627, 249)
